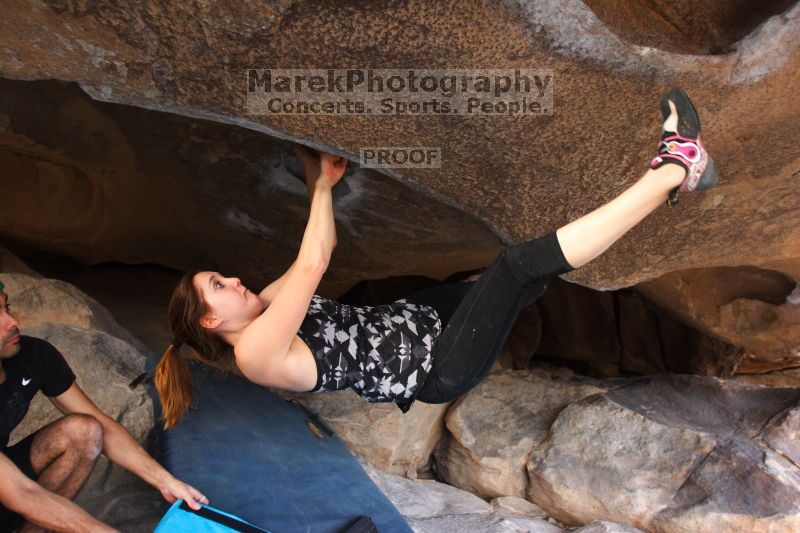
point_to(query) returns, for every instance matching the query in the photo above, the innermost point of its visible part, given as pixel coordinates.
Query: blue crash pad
(253, 455)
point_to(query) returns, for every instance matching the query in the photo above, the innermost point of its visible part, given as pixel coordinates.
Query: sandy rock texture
(191, 59)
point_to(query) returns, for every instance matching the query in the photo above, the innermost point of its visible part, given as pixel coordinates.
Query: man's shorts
(20, 455)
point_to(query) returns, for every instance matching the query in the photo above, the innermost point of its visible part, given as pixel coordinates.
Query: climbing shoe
(680, 143)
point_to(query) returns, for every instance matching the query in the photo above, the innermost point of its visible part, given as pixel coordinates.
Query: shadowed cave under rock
(98, 182)
(599, 334)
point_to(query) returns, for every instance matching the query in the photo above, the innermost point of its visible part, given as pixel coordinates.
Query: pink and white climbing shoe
(680, 144)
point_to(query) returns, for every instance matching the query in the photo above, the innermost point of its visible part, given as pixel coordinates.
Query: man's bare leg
(63, 454)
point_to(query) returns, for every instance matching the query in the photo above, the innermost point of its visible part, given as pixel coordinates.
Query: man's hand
(175, 489)
(120, 446)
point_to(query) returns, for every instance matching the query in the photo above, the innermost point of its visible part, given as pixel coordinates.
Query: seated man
(42, 473)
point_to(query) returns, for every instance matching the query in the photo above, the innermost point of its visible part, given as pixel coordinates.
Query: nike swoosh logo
(25, 381)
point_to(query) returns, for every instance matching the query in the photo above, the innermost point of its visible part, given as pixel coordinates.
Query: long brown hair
(172, 379)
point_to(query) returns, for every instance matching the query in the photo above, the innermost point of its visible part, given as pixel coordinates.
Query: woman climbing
(432, 346)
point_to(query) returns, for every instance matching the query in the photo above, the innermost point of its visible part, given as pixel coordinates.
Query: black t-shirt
(37, 366)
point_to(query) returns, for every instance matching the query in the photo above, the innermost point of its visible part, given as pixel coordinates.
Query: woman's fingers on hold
(332, 167)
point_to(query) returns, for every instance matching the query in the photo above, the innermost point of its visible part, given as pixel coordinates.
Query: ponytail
(171, 377)
(174, 385)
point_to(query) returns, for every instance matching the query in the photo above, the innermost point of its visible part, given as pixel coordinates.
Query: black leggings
(477, 316)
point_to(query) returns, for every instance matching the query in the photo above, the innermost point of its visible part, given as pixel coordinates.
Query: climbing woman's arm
(263, 349)
(328, 170)
(268, 293)
(319, 238)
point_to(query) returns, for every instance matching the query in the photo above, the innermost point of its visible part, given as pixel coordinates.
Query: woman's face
(231, 305)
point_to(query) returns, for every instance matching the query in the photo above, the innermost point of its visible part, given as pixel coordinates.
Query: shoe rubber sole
(688, 119)
(688, 126)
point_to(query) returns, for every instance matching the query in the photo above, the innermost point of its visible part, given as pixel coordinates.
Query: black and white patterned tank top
(381, 352)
